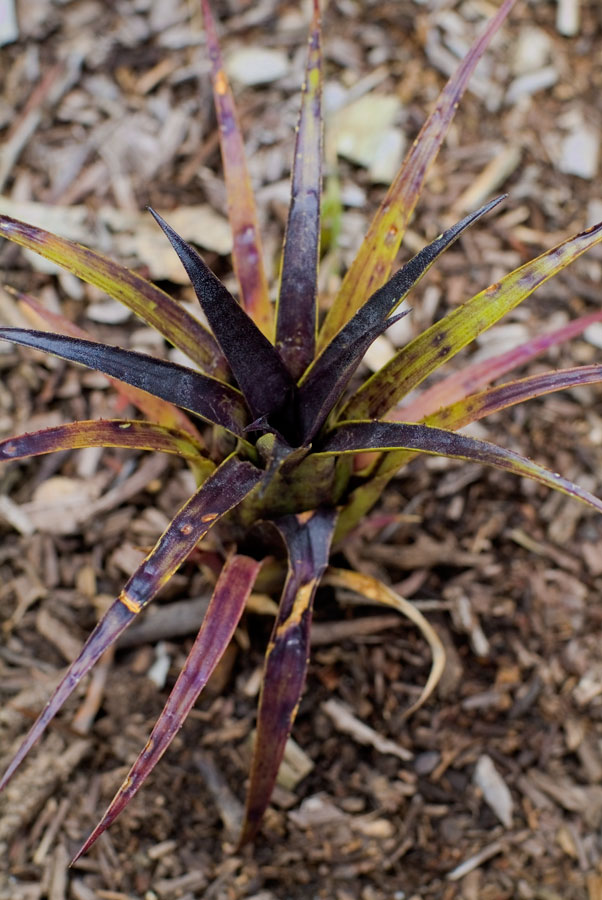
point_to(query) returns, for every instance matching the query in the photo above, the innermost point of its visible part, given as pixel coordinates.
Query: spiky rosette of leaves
(278, 392)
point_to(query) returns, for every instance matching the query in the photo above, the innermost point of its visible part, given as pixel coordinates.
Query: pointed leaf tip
(246, 348)
(372, 264)
(247, 253)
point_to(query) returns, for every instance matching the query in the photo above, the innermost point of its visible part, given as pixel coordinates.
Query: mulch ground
(494, 789)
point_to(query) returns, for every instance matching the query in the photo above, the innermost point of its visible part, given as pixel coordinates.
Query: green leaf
(129, 433)
(478, 375)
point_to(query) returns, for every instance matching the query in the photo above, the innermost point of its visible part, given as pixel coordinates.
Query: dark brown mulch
(105, 108)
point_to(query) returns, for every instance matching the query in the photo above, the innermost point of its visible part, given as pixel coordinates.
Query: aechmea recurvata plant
(278, 392)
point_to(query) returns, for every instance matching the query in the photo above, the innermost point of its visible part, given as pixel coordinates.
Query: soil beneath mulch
(493, 789)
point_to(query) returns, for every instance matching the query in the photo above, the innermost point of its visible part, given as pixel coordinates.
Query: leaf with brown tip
(213, 400)
(296, 312)
(307, 538)
(222, 491)
(151, 304)
(372, 265)
(225, 609)
(247, 254)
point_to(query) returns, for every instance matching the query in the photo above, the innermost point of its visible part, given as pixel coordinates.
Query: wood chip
(495, 790)
(345, 721)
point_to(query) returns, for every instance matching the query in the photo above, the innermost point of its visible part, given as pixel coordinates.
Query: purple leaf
(296, 311)
(225, 609)
(256, 364)
(213, 400)
(222, 491)
(357, 437)
(307, 538)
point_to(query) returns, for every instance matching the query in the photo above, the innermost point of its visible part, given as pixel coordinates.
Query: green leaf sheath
(307, 538)
(414, 362)
(323, 383)
(357, 437)
(128, 433)
(213, 400)
(223, 614)
(223, 490)
(152, 305)
(255, 363)
(247, 254)
(372, 265)
(296, 317)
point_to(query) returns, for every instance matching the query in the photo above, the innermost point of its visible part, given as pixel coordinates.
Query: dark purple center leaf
(256, 364)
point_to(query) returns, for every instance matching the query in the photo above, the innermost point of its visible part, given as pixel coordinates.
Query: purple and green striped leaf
(247, 254)
(147, 301)
(126, 433)
(414, 362)
(358, 437)
(325, 380)
(478, 375)
(372, 265)
(223, 614)
(296, 311)
(307, 538)
(255, 363)
(222, 491)
(155, 409)
(213, 400)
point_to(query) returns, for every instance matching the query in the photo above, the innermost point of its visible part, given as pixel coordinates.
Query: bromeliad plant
(287, 425)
